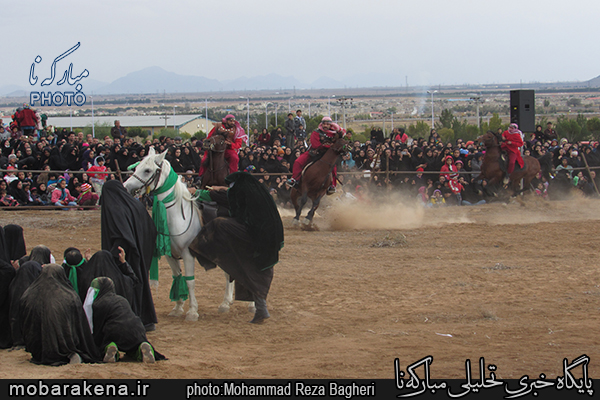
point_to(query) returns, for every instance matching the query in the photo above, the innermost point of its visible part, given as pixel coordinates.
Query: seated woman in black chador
(54, 327)
(114, 325)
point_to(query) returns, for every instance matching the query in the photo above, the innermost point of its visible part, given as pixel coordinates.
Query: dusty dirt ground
(516, 284)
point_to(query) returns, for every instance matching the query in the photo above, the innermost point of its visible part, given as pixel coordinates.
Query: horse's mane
(180, 188)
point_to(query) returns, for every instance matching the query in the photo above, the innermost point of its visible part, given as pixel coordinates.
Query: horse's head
(215, 143)
(488, 139)
(147, 173)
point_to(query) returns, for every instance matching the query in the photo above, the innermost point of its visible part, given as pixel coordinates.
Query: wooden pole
(587, 167)
(119, 171)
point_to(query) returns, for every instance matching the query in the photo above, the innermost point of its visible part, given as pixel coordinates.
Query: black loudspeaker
(522, 109)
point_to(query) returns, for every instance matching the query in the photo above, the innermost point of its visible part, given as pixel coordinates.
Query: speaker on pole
(522, 109)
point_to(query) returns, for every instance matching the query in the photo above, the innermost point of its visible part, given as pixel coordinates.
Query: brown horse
(315, 181)
(217, 167)
(490, 167)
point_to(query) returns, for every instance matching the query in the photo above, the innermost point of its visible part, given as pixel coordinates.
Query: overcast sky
(429, 41)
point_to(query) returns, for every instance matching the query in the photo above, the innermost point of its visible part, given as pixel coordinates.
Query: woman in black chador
(245, 245)
(25, 276)
(125, 223)
(114, 325)
(55, 329)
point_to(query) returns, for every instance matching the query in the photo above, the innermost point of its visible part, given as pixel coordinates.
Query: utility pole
(343, 102)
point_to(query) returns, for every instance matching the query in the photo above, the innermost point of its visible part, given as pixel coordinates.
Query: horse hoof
(295, 222)
(307, 221)
(252, 308)
(192, 316)
(153, 284)
(223, 308)
(176, 313)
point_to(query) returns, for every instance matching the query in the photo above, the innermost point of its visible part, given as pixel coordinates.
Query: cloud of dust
(396, 212)
(390, 212)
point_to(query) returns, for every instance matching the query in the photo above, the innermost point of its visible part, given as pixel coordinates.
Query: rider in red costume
(320, 141)
(512, 141)
(234, 137)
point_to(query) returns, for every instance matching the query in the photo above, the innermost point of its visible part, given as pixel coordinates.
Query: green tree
(446, 119)
(546, 103)
(495, 123)
(446, 135)
(574, 102)
(420, 130)
(593, 127)
(136, 131)
(100, 129)
(199, 135)
(568, 128)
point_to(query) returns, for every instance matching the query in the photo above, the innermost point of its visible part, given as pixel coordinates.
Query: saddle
(314, 157)
(503, 161)
(211, 210)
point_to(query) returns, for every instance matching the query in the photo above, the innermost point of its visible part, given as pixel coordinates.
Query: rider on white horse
(245, 245)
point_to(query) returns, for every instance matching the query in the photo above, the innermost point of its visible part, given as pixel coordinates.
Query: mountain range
(154, 80)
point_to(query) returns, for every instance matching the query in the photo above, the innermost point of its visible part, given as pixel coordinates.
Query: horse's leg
(188, 263)
(311, 213)
(303, 201)
(176, 269)
(228, 298)
(299, 205)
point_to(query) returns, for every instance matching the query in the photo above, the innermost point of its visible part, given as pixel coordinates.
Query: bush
(199, 135)
(136, 131)
(100, 130)
(170, 132)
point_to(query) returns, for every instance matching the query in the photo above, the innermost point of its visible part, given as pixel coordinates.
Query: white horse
(183, 220)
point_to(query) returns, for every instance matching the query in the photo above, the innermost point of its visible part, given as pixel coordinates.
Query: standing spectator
(27, 120)
(299, 121)
(376, 136)
(301, 135)
(549, 133)
(118, 131)
(290, 131)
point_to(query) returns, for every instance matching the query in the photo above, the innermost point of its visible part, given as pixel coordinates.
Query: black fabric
(24, 277)
(53, 321)
(245, 245)
(228, 243)
(114, 320)
(103, 263)
(56, 161)
(7, 274)
(40, 254)
(126, 223)
(3, 249)
(251, 204)
(18, 194)
(15, 241)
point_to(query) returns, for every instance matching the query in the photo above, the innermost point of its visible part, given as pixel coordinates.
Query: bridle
(155, 178)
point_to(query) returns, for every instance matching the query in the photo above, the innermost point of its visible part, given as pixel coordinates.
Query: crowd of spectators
(434, 172)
